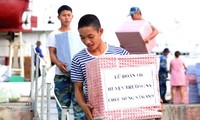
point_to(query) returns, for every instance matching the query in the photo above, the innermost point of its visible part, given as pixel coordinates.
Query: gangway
(41, 92)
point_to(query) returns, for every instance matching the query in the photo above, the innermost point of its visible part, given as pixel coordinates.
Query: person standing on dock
(163, 74)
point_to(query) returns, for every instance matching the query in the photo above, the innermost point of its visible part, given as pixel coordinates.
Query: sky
(176, 20)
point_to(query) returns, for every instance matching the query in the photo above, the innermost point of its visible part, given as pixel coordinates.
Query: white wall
(29, 38)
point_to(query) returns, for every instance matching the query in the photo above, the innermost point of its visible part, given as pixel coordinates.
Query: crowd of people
(70, 75)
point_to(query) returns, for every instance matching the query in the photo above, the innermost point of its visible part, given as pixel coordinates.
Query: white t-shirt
(67, 44)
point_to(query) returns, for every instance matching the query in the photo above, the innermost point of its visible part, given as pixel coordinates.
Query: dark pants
(163, 87)
(39, 72)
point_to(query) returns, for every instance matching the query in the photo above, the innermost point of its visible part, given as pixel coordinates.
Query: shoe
(165, 101)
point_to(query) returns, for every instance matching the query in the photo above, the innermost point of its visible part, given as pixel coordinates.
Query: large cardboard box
(124, 87)
(67, 45)
(131, 36)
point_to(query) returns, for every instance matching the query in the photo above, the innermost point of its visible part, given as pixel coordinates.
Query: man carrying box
(137, 35)
(136, 14)
(90, 31)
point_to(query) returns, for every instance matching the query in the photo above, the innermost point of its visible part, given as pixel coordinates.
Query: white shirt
(67, 44)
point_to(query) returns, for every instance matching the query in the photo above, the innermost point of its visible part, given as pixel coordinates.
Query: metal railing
(35, 89)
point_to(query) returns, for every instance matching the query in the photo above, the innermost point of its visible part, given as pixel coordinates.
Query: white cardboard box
(124, 87)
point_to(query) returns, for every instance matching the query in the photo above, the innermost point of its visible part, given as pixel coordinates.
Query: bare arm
(53, 57)
(81, 100)
(184, 66)
(170, 68)
(153, 34)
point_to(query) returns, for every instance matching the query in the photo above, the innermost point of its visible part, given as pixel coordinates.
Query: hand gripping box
(131, 36)
(124, 87)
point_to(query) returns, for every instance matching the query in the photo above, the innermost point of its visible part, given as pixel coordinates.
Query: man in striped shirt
(90, 32)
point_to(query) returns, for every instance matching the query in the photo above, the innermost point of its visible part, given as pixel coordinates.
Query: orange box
(124, 87)
(27, 67)
(131, 36)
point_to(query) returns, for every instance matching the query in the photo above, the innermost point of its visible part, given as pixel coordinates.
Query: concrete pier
(181, 112)
(15, 111)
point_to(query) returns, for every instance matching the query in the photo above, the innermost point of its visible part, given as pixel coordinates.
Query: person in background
(90, 31)
(136, 14)
(163, 74)
(60, 55)
(178, 78)
(39, 51)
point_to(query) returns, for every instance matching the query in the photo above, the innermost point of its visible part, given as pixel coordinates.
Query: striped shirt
(78, 68)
